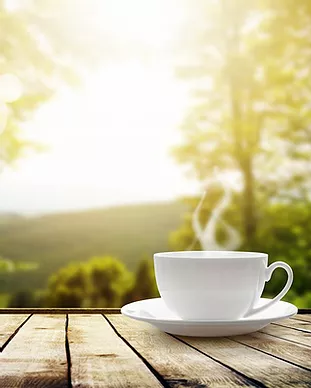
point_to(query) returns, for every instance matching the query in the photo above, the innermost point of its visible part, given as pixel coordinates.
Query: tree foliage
(99, 282)
(250, 72)
(145, 284)
(250, 76)
(40, 48)
(23, 299)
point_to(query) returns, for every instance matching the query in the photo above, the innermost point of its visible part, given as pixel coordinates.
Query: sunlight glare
(153, 22)
(109, 142)
(4, 113)
(10, 88)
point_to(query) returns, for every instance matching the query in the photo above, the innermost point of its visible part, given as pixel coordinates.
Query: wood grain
(177, 363)
(8, 326)
(288, 351)
(267, 369)
(295, 324)
(36, 356)
(99, 358)
(303, 317)
(289, 334)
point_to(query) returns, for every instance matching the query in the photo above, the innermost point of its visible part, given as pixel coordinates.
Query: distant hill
(127, 232)
(6, 217)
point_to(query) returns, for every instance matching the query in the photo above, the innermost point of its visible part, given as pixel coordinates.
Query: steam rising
(207, 235)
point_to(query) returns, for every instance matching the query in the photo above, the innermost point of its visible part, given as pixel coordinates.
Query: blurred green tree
(6, 265)
(145, 284)
(25, 56)
(42, 52)
(98, 282)
(251, 109)
(108, 281)
(284, 232)
(23, 299)
(67, 287)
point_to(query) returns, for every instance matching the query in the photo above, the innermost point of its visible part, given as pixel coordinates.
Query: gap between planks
(288, 334)
(296, 354)
(271, 371)
(279, 328)
(98, 357)
(303, 326)
(10, 325)
(258, 366)
(302, 317)
(67, 349)
(36, 357)
(178, 363)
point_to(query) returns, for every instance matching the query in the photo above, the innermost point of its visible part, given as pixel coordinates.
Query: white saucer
(154, 311)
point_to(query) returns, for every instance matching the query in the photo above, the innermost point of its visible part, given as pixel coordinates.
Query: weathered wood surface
(95, 350)
(303, 317)
(297, 354)
(295, 324)
(179, 364)
(263, 368)
(99, 358)
(36, 356)
(8, 327)
(289, 334)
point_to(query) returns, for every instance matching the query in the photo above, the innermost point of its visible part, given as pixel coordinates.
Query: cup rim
(210, 255)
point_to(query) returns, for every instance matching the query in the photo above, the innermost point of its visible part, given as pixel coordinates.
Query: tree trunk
(242, 146)
(249, 206)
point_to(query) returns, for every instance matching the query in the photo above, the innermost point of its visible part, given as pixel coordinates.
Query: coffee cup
(215, 285)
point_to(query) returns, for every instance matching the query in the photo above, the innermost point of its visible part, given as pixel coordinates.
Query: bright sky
(110, 141)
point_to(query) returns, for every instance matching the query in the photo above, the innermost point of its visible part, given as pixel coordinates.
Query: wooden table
(101, 348)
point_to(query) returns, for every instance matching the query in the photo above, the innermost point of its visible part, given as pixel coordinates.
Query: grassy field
(52, 241)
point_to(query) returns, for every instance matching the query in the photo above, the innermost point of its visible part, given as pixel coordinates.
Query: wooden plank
(9, 325)
(289, 334)
(49, 311)
(295, 324)
(288, 351)
(99, 358)
(36, 356)
(270, 371)
(303, 317)
(178, 364)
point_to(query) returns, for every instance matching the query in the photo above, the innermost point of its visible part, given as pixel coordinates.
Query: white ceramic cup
(215, 285)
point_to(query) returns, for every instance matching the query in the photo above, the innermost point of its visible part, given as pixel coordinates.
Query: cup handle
(268, 274)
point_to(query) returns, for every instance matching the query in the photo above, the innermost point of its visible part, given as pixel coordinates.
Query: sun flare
(121, 123)
(154, 22)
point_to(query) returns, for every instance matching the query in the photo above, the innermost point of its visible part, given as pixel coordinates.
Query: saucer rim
(241, 321)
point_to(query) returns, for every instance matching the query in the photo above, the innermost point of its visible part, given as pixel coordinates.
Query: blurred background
(117, 115)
